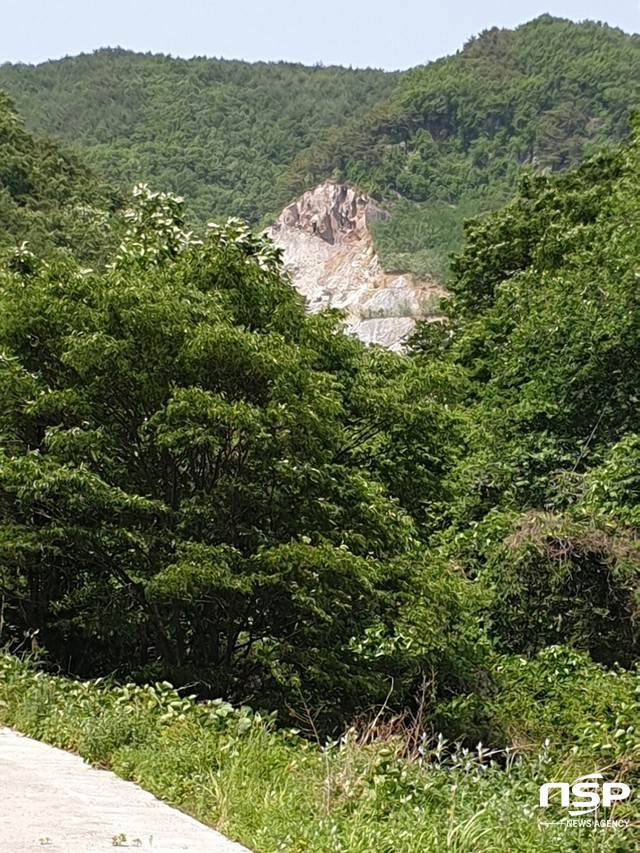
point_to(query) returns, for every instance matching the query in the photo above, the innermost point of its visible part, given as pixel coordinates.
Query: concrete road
(50, 800)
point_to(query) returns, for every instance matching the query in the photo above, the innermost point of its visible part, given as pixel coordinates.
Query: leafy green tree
(50, 198)
(544, 323)
(455, 136)
(184, 488)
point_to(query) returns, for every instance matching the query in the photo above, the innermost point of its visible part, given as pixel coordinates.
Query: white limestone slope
(330, 257)
(51, 800)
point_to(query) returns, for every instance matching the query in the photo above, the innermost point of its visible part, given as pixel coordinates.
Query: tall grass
(275, 791)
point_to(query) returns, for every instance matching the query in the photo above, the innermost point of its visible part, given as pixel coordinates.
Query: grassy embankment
(274, 790)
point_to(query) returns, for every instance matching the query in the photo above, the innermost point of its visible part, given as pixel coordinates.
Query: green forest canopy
(218, 132)
(455, 136)
(200, 482)
(48, 196)
(440, 143)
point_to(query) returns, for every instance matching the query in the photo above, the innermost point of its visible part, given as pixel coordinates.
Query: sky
(390, 34)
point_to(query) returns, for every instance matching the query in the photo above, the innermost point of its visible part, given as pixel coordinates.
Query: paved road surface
(51, 801)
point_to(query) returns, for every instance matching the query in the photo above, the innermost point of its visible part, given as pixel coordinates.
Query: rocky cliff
(329, 254)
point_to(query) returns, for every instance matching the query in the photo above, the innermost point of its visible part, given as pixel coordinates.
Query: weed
(388, 786)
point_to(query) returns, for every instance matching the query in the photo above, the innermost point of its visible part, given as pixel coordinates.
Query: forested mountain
(456, 135)
(219, 132)
(440, 143)
(201, 482)
(437, 549)
(48, 197)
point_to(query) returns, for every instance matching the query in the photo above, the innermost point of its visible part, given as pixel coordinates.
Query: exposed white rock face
(329, 255)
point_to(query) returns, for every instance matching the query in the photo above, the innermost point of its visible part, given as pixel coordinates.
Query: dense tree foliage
(198, 481)
(221, 133)
(545, 323)
(47, 196)
(447, 140)
(455, 135)
(193, 480)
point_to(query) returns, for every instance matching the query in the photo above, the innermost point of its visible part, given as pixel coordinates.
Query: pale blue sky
(362, 33)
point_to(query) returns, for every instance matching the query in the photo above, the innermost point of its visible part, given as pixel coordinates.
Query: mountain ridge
(436, 145)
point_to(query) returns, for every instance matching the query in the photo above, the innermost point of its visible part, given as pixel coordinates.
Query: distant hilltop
(435, 146)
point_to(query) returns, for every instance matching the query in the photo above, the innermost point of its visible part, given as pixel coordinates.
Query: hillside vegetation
(455, 136)
(221, 133)
(435, 552)
(440, 143)
(48, 196)
(201, 483)
(371, 791)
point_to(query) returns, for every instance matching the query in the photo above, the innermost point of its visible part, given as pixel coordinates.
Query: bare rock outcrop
(329, 254)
